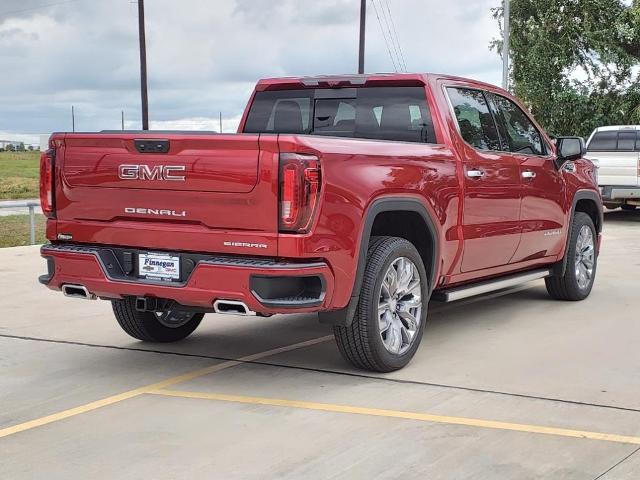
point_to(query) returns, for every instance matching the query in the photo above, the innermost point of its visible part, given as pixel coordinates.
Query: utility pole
(73, 119)
(220, 118)
(505, 47)
(122, 118)
(143, 66)
(363, 22)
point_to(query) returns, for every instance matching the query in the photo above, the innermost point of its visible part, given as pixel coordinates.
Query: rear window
(383, 113)
(615, 141)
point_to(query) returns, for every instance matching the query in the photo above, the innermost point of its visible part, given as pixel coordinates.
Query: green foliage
(15, 229)
(575, 62)
(19, 173)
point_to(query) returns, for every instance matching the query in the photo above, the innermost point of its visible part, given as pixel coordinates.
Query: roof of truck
(610, 128)
(355, 80)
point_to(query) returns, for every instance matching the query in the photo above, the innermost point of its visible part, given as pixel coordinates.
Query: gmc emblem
(156, 172)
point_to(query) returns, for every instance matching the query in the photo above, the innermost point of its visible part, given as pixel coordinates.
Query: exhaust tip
(77, 291)
(231, 307)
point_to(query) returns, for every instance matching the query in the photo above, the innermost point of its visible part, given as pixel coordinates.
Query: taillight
(46, 183)
(299, 191)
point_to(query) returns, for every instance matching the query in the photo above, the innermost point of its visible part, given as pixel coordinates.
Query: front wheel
(389, 322)
(160, 327)
(582, 261)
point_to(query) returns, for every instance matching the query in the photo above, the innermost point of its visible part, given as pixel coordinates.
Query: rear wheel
(389, 322)
(582, 261)
(161, 327)
(628, 207)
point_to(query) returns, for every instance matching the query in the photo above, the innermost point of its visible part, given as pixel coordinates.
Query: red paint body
(485, 228)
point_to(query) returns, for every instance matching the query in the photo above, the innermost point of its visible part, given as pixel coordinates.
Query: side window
(627, 141)
(518, 132)
(604, 142)
(615, 141)
(474, 118)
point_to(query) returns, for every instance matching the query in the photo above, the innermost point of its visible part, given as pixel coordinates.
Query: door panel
(491, 210)
(542, 214)
(491, 215)
(617, 168)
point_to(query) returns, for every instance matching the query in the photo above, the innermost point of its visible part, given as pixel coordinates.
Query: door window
(475, 121)
(518, 133)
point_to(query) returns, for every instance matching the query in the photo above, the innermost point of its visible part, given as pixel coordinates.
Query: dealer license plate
(158, 266)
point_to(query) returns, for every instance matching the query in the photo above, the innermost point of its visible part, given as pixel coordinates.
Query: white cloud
(205, 55)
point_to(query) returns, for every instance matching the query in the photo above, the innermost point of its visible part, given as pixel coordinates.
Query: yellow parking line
(38, 422)
(423, 417)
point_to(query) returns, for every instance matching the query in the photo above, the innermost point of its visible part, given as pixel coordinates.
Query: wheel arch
(589, 202)
(377, 221)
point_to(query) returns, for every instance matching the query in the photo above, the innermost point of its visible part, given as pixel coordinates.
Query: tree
(574, 62)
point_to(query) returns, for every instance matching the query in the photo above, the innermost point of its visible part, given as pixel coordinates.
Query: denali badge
(156, 172)
(153, 211)
(552, 233)
(246, 245)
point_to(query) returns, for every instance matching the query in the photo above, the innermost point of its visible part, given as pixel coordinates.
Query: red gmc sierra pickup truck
(357, 197)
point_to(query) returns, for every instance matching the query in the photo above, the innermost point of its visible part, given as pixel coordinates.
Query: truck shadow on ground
(453, 323)
(620, 216)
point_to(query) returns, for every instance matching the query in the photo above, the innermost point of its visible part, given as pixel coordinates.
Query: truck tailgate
(170, 184)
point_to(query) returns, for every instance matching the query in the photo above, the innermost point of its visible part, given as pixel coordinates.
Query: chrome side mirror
(569, 149)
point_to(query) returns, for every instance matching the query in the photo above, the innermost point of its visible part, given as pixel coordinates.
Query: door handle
(528, 174)
(475, 173)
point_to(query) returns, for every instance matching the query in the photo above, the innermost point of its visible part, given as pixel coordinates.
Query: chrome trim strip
(490, 286)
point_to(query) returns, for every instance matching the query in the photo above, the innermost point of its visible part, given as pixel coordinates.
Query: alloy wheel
(400, 306)
(585, 257)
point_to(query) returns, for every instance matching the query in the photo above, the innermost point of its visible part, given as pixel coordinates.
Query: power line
(13, 12)
(395, 32)
(393, 43)
(375, 9)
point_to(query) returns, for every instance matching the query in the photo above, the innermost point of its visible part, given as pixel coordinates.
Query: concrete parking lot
(512, 385)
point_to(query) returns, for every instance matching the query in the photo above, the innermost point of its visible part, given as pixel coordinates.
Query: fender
(592, 195)
(344, 316)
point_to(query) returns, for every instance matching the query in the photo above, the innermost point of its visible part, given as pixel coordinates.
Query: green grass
(14, 230)
(19, 173)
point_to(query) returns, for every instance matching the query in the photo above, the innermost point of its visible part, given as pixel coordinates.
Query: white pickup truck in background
(616, 150)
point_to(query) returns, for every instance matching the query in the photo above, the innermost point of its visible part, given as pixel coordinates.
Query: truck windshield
(383, 113)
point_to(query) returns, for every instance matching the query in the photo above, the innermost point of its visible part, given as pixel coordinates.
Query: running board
(467, 291)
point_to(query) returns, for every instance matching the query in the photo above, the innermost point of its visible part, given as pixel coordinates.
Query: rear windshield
(383, 113)
(615, 141)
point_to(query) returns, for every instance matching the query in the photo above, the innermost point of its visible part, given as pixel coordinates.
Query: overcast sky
(205, 55)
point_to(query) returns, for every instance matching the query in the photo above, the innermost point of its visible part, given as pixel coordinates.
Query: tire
(570, 286)
(152, 327)
(627, 207)
(365, 343)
